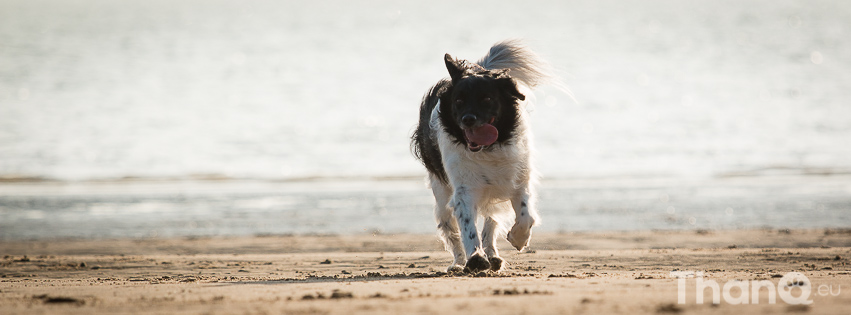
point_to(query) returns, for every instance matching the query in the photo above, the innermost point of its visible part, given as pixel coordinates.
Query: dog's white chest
(495, 171)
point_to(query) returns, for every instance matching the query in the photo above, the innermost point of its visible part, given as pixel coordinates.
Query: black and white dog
(474, 138)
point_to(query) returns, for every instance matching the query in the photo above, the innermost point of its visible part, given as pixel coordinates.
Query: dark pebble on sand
(337, 294)
(58, 299)
(669, 308)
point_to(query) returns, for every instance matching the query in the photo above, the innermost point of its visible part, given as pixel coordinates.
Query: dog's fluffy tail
(526, 66)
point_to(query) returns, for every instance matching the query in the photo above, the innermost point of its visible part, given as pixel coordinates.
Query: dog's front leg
(526, 215)
(489, 242)
(464, 209)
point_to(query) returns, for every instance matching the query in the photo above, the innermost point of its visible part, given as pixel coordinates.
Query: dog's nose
(468, 120)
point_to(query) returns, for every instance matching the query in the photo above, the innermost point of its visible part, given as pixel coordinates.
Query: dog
(474, 140)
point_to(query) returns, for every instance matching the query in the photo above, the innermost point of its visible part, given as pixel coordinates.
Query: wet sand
(572, 273)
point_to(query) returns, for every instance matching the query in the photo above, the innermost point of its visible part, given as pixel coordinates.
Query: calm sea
(95, 90)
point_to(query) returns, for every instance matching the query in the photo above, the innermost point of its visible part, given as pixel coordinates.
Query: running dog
(474, 139)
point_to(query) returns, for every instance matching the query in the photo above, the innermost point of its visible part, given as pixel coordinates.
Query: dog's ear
(509, 86)
(455, 72)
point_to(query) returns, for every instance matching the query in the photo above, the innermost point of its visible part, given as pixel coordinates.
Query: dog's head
(481, 106)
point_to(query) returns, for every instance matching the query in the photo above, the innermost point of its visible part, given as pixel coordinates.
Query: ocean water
(96, 91)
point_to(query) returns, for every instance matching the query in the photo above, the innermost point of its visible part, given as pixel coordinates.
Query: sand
(573, 273)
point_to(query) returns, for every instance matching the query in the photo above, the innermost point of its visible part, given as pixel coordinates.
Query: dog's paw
(455, 268)
(477, 263)
(496, 263)
(519, 236)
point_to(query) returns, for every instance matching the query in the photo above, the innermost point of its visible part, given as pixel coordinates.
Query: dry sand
(591, 273)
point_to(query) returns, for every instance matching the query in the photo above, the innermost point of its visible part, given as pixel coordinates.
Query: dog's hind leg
(525, 217)
(447, 226)
(464, 208)
(489, 241)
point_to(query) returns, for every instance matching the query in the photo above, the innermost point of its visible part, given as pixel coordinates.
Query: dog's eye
(486, 99)
(459, 101)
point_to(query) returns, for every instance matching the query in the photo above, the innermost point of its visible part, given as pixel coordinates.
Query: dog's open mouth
(480, 137)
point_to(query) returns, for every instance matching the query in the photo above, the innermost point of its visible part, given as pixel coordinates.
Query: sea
(217, 118)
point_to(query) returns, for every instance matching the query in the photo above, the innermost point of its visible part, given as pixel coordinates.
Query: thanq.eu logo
(793, 288)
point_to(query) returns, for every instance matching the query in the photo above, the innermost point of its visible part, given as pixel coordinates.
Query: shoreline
(600, 272)
(33, 185)
(245, 208)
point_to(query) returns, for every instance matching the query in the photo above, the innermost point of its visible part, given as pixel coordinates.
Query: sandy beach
(570, 273)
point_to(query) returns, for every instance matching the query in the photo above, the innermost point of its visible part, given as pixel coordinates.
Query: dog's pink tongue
(484, 135)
